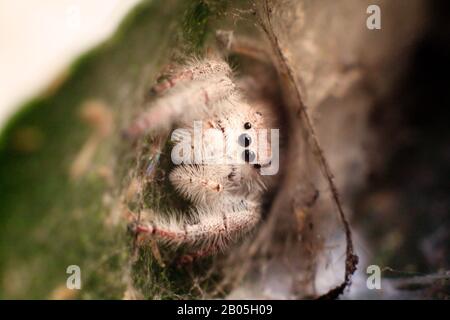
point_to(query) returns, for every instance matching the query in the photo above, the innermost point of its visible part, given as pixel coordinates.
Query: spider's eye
(245, 140)
(248, 155)
(257, 166)
(247, 125)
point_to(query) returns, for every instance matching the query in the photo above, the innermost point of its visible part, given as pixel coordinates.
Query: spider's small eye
(245, 140)
(247, 125)
(248, 155)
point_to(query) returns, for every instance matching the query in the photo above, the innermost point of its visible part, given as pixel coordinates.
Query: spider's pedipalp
(203, 185)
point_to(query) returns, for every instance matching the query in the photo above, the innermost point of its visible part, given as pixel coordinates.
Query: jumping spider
(227, 198)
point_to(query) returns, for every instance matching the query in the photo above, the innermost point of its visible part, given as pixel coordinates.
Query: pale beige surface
(39, 38)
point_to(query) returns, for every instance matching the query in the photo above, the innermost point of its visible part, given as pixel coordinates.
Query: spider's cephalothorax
(226, 192)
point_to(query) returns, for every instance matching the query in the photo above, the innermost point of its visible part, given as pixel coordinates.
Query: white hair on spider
(226, 196)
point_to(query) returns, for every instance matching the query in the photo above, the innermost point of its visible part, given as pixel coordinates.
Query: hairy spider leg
(186, 102)
(211, 230)
(196, 70)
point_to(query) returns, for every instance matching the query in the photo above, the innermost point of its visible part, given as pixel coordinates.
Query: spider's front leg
(215, 229)
(194, 71)
(188, 100)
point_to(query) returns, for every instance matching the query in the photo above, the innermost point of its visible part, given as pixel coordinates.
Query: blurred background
(39, 39)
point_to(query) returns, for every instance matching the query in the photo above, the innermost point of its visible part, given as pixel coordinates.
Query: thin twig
(351, 259)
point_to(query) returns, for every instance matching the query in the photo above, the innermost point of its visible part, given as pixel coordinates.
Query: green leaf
(49, 219)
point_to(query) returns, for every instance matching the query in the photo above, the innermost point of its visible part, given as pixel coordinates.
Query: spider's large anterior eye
(248, 155)
(245, 140)
(247, 125)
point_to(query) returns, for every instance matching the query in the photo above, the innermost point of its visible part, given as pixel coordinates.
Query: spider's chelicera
(226, 155)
